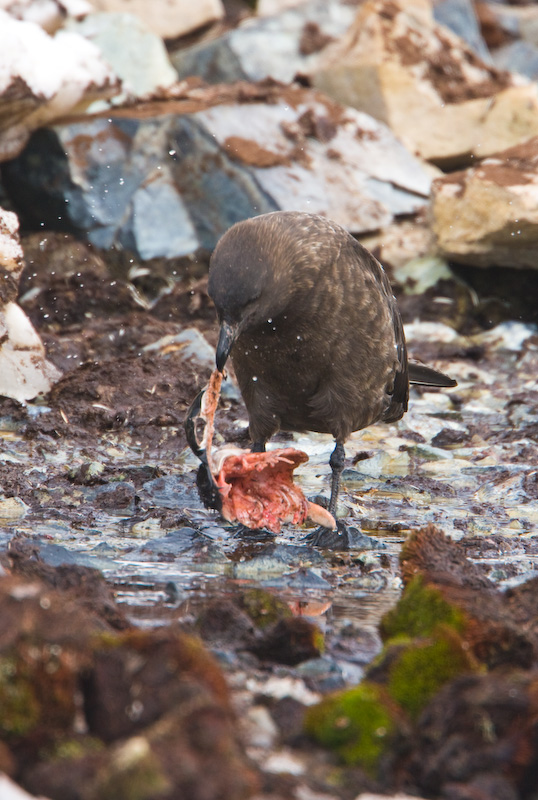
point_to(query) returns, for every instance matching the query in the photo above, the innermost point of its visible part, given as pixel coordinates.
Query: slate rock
(278, 46)
(519, 57)
(136, 54)
(166, 179)
(460, 16)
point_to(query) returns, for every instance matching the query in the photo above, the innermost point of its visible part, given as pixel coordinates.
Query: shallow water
(457, 459)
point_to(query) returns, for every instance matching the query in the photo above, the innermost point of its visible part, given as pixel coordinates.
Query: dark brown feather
(321, 344)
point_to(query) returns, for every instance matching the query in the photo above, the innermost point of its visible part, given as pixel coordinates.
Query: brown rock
(487, 215)
(153, 705)
(167, 18)
(427, 84)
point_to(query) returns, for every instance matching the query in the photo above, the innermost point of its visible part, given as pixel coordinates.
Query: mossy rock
(420, 610)
(37, 690)
(422, 668)
(133, 773)
(263, 608)
(359, 724)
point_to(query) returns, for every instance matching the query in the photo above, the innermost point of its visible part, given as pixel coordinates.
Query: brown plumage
(314, 332)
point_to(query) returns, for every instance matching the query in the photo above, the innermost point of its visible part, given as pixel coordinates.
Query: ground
(97, 474)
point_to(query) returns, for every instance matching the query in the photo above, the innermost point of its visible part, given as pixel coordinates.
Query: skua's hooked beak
(227, 336)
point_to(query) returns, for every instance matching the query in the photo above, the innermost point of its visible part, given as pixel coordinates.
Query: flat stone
(428, 85)
(136, 54)
(31, 95)
(167, 18)
(488, 215)
(168, 178)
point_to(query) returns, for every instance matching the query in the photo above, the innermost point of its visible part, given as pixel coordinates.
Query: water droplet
(254, 378)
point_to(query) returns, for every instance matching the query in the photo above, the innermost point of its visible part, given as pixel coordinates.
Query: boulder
(165, 179)
(24, 370)
(428, 85)
(167, 18)
(44, 77)
(278, 46)
(487, 215)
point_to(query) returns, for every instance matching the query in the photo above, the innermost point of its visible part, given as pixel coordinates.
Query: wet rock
(452, 750)
(31, 96)
(427, 85)
(278, 46)
(449, 625)
(486, 215)
(168, 181)
(83, 585)
(167, 18)
(168, 491)
(154, 704)
(137, 56)
(290, 641)
(177, 542)
(24, 370)
(223, 623)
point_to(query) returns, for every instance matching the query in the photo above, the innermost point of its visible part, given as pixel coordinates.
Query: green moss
(358, 724)
(19, 706)
(264, 608)
(133, 773)
(69, 749)
(421, 669)
(419, 611)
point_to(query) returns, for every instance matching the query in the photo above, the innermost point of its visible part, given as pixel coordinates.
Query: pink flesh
(257, 489)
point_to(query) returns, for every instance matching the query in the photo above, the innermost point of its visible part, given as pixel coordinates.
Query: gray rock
(137, 55)
(460, 17)
(168, 184)
(519, 57)
(170, 491)
(279, 47)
